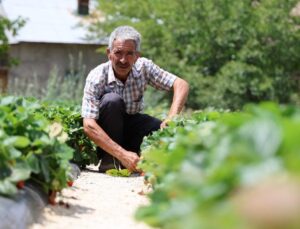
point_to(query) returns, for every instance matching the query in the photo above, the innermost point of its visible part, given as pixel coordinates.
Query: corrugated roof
(48, 21)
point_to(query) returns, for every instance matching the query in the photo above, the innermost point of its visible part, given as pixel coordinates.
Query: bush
(231, 52)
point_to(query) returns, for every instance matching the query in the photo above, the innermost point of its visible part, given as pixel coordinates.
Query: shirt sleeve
(159, 78)
(93, 90)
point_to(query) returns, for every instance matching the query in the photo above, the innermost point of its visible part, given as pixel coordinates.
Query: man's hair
(125, 33)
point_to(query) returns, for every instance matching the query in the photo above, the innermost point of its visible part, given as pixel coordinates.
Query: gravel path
(97, 201)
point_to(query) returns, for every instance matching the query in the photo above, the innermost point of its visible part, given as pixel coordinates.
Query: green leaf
(33, 163)
(264, 135)
(118, 173)
(45, 169)
(14, 153)
(17, 141)
(5, 171)
(2, 133)
(21, 171)
(7, 100)
(7, 188)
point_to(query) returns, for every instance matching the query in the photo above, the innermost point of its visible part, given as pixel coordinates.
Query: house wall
(37, 60)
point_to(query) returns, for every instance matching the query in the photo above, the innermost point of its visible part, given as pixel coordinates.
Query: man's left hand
(164, 123)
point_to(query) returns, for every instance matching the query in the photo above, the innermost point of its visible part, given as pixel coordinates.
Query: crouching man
(113, 100)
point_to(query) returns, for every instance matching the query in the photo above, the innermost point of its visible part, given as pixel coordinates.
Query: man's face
(122, 56)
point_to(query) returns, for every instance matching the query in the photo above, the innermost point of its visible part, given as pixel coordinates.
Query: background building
(52, 39)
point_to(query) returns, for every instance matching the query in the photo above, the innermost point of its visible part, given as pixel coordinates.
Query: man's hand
(164, 123)
(97, 134)
(130, 161)
(181, 90)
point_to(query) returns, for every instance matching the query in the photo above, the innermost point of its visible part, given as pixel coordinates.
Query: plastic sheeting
(19, 212)
(24, 209)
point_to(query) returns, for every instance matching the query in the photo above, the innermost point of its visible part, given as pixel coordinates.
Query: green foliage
(69, 116)
(11, 27)
(118, 172)
(199, 165)
(30, 148)
(231, 52)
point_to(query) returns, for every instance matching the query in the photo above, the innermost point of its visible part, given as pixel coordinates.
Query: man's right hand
(97, 134)
(130, 161)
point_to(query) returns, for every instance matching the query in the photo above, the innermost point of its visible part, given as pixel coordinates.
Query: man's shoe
(104, 165)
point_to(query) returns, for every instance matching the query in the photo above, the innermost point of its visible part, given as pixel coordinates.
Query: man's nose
(123, 59)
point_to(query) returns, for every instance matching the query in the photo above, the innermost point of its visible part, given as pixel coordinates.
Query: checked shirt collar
(112, 78)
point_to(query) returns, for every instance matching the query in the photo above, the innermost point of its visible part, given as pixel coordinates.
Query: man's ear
(137, 56)
(108, 53)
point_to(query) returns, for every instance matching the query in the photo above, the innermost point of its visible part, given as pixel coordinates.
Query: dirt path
(97, 201)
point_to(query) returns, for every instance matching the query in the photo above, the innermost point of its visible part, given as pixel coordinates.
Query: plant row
(225, 170)
(37, 143)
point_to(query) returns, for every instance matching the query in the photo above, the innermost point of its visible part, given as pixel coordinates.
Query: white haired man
(113, 100)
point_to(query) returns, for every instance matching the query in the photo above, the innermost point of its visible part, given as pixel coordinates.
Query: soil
(97, 201)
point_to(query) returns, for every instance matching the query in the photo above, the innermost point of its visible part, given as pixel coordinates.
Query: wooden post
(3, 79)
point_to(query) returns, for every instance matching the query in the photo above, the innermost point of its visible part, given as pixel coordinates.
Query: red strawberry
(20, 184)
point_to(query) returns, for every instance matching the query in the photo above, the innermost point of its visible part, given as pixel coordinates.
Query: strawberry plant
(30, 147)
(200, 169)
(69, 116)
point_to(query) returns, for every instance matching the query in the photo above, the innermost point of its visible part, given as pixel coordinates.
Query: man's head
(125, 33)
(123, 50)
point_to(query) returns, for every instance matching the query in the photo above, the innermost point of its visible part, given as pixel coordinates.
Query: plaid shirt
(102, 80)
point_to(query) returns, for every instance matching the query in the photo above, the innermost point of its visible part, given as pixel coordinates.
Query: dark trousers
(125, 129)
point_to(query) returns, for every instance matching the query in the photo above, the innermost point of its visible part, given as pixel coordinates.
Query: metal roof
(48, 21)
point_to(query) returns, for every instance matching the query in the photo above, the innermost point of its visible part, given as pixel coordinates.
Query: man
(113, 100)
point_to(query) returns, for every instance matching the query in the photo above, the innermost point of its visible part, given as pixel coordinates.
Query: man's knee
(113, 102)
(111, 116)
(151, 124)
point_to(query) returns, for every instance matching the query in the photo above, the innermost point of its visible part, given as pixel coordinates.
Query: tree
(231, 52)
(6, 27)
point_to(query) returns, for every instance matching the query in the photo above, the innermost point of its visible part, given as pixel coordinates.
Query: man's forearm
(181, 90)
(101, 139)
